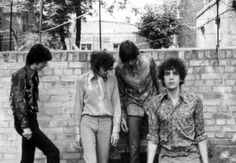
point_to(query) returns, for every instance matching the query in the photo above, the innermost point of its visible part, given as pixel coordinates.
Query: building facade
(112, 34)
(207, 27)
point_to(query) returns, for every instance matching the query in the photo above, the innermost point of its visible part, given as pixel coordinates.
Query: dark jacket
(24, 95)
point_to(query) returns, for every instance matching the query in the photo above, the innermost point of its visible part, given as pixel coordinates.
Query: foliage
(80, 7)
(159, 25)
(32, 38)
(56, 12)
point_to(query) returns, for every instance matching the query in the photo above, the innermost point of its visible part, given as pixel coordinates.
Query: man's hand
(77, 141)
(27, 133)
(124, 126)
(114, 138)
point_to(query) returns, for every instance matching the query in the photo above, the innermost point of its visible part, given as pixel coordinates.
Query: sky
(121, 15)
(141, 3)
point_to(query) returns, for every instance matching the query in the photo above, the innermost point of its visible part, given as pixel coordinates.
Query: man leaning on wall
(137, 80)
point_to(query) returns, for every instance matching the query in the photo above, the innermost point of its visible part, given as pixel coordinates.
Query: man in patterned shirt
(137, 80)
(176, 123)
(23, 101)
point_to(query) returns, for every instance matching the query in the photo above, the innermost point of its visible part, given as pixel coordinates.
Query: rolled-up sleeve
(154, 73)
(122, 92)
(78, 107)
(117, 107)
(153, 122)
(199, 121)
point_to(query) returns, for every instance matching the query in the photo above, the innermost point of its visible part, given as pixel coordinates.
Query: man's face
(39, 66)
(104, 72)
(171, 79)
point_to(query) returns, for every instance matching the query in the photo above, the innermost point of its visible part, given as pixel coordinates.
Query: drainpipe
(10, 26)
(100, 31)
(40, 20)
(217, 26)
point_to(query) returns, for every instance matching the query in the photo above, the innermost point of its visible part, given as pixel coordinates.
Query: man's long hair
(38, 53)
(128, 51)
(102, 59)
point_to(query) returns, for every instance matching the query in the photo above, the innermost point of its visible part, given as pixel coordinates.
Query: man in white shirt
(97, 109)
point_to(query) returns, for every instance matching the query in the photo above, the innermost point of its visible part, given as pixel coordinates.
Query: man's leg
(88, 138)
(134, 123)
(27, 146)
(103, 139)
(28, 150)
(42, 142)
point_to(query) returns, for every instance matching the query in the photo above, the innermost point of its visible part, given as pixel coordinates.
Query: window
(202, 30)
(116, 46)
(25, 22)
(86, 46)
(1, 40)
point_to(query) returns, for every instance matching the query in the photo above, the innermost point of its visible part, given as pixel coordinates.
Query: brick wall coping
(116, 51)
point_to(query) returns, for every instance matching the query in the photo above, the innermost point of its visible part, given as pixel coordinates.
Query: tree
(80, 7)
(56, 12)
(32, 38)
(159, 25)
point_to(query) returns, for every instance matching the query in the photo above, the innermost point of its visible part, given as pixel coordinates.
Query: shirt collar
(183, 96)
(30, 71)
(93, 75)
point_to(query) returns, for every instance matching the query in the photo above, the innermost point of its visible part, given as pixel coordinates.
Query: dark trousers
(39, 140)
(135, 126)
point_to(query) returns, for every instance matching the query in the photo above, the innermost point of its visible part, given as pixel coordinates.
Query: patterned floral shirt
(24, 95)
(176, 129)
(138, 83)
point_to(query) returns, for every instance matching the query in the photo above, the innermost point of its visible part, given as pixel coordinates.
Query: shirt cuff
(152, 139)
(25, 125)
(201, 138)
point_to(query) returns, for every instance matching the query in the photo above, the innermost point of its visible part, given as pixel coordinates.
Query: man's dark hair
(102, 59)
(170, 64)
(128, 51)
(38, 53)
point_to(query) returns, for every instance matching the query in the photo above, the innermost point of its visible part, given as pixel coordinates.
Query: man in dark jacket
(23, 101)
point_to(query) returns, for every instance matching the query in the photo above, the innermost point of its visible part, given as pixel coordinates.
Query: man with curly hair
(97, 109)
(176, 125)
(24, 97)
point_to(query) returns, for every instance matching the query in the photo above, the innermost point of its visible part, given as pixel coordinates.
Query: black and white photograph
(118, 81)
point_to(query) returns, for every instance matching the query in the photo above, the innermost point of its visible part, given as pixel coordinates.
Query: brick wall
(57, 91)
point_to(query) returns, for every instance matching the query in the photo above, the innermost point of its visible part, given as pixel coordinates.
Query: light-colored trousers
(192, 158)
(95, 138)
